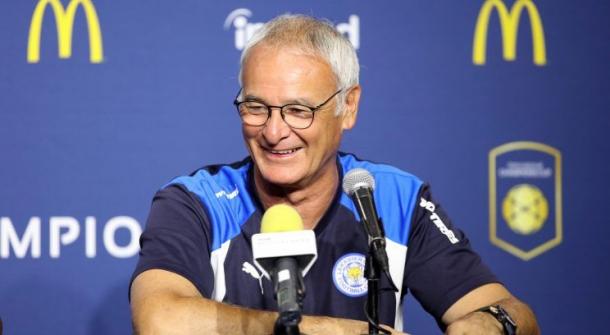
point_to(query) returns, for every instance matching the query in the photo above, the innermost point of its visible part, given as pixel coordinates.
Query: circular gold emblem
(525, 209)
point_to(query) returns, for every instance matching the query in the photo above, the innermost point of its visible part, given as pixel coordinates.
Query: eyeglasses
(256, 113)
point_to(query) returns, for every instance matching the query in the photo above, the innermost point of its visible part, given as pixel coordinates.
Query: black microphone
(284, 252)
(359, 185)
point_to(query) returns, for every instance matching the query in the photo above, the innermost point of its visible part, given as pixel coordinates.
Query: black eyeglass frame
(281, 108)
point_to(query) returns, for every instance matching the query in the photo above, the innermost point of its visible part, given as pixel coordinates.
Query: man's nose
(276, 128)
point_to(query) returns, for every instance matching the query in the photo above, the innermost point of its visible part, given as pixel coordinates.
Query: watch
(509, 325)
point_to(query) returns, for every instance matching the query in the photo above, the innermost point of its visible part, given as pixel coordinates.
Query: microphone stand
(287, 323)
(376, 263)
(371, 273)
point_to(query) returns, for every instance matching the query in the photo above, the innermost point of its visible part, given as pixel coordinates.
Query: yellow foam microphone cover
(281, 218)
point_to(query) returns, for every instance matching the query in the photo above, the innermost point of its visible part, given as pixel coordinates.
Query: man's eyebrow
(250, 97)
(297, 101)
(301, 101)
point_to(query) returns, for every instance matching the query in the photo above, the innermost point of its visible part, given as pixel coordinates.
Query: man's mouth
(282, 152)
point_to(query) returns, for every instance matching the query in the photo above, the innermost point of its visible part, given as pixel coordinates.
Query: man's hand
(477, 323)
(460, 318)
(164, 302)
(390, 329)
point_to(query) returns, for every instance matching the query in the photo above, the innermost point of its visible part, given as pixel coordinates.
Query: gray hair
(311, 35)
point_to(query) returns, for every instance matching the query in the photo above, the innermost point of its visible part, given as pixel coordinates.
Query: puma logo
(251, 270)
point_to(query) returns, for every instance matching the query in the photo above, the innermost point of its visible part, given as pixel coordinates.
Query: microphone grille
(281, 218)
(357, 178)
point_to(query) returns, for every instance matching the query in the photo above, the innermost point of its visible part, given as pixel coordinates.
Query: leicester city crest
(525, 198)
(348, 275)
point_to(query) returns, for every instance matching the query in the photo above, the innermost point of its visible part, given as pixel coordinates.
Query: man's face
(285, 156)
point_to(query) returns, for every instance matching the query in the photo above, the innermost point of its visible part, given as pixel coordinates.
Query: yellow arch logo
(509, 23)
(64, 18)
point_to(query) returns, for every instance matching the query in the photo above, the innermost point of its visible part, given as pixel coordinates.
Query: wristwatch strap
(508, 324)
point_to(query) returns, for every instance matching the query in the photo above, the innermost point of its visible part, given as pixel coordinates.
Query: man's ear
(352, 99)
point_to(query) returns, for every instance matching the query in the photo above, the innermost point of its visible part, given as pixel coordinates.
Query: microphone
(359, 185)
(284, 252)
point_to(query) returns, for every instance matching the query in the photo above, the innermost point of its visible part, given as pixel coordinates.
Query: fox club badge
(348, 275)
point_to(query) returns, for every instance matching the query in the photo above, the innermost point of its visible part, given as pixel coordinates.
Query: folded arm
(163, 302)
(462, 317)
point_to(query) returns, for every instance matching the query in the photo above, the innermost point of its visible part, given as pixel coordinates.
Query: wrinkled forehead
(293, 48)
(286, 75)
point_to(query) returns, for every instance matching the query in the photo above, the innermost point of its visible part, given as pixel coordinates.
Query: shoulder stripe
(225, 197)
(395, 195)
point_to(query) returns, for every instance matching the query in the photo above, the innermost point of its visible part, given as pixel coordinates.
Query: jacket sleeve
(441, 266)
(177, 238)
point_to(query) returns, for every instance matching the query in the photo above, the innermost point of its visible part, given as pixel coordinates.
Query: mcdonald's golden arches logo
(64, 18)
(509, 23)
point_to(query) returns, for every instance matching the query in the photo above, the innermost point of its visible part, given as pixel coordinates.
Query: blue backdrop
(87, 136)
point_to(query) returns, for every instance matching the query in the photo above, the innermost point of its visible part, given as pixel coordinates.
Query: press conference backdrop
(502, 105)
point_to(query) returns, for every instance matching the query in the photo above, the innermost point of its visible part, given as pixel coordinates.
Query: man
(299, 92)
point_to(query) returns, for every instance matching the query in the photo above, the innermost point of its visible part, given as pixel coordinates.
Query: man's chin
(283, 177)
(282, 181)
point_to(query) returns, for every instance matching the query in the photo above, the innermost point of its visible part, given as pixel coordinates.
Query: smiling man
(299, 92)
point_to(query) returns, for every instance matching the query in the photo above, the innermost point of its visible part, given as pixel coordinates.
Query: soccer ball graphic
(525, 209)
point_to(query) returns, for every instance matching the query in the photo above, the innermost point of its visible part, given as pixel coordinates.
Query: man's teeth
(283, 152)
